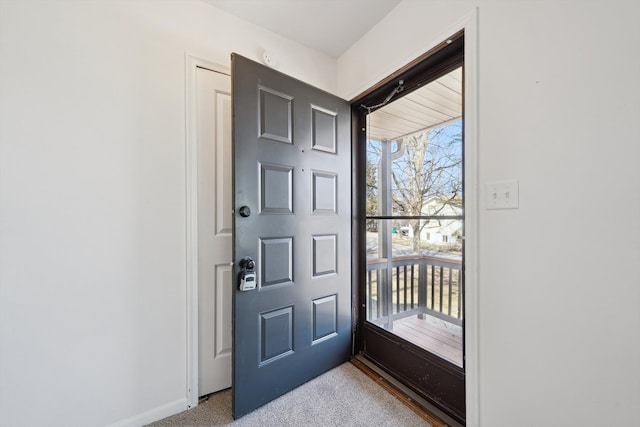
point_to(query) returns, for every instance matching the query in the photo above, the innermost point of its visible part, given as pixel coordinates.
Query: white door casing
(214, 165)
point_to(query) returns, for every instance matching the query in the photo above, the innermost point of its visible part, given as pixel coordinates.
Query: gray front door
(291, 148)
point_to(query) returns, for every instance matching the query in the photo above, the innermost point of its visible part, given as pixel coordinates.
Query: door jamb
(470, 26)
(192, 63)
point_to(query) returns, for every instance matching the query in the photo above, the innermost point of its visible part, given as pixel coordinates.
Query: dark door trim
(378, 345)
(414, 65)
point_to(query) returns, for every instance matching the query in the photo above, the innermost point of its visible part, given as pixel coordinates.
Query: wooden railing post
(388, 293)
(422, 284)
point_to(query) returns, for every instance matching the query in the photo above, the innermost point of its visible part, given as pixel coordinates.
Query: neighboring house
(438, 232)
(446, 231)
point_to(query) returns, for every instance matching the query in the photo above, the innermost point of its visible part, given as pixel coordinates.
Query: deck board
(433, 335)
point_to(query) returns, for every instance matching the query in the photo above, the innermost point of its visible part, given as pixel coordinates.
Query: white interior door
(214, 230)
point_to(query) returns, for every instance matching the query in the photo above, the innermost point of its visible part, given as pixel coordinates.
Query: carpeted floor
(342, 397)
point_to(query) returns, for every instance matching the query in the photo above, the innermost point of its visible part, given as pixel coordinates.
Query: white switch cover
(502, 194)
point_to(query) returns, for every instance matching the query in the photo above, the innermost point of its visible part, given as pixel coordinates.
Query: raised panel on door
(292, 170)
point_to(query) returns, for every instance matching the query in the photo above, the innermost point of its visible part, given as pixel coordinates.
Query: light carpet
(344, 396)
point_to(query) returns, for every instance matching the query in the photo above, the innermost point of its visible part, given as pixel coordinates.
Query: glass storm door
(413, 287)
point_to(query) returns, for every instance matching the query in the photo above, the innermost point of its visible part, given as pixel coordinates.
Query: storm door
(412, 228)
(292, 241)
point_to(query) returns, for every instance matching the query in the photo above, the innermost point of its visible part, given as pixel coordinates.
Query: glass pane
(373, 166)
(425, 176)
(414, 282)
(427, 172)
(416, 290)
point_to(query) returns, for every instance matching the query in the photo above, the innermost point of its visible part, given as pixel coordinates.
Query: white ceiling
(330, 26)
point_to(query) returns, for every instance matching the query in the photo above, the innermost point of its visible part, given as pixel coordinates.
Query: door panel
(292, 170)
(215, 221)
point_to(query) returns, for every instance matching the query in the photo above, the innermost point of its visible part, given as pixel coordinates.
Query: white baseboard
(154, 414)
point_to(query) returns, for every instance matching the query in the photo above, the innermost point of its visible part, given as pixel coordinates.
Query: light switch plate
(502, 194)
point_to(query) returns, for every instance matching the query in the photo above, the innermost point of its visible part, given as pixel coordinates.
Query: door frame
(469, 25)
(192, 63)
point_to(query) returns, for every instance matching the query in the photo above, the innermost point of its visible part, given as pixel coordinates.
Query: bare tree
(427, 165)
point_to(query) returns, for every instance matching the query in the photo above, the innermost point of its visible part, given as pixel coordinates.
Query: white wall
(92, 199)
(92, 207)
(559, 101)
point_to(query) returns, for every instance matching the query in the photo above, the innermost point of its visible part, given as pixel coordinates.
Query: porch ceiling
(435, 104)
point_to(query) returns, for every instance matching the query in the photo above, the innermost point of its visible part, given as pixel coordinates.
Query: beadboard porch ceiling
(436, 104)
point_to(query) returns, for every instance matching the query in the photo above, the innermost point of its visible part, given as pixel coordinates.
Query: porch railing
(421, 284)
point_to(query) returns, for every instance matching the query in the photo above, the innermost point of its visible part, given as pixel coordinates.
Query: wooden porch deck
(432, 334)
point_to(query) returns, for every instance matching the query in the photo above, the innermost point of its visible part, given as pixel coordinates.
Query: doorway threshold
(420, 406)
